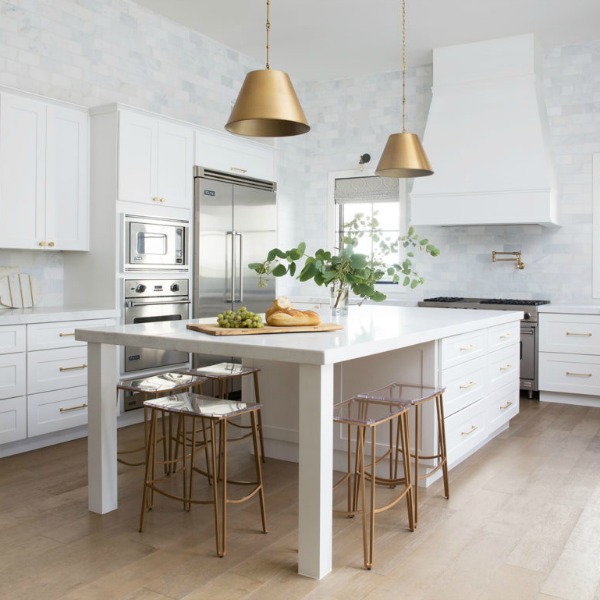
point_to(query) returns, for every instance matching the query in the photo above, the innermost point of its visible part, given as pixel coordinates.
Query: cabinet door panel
(175, 168)
(49, 370)
(67, 179)
(137, 157)
(54, 411)
(12, 375)
(22, 159)
(13, 419)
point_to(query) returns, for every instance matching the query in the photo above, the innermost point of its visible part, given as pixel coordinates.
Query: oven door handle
(240, 288)
(130, 304)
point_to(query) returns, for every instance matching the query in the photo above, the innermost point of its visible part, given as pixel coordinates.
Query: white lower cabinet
(43, 378)
(52, 411)
(503, 405)
(465, 430)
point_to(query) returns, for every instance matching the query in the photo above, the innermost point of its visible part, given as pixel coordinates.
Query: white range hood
(487, 138)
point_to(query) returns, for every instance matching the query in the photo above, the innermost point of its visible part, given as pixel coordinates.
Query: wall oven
(529, 328)
(151, 301)
(155, 244)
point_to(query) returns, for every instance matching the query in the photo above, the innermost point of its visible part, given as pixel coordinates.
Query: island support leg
(102, 428)
(315, 466)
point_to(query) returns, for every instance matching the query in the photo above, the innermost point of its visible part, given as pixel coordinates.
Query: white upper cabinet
(155, 161)
(44, 195)
(224, 152)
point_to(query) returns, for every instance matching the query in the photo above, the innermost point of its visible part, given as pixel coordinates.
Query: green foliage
(350, 269)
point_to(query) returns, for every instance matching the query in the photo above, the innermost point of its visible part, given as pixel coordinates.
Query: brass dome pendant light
(267, 105)
(403, 155)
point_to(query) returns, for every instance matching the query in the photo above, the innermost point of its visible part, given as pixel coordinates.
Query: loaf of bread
(281, 314)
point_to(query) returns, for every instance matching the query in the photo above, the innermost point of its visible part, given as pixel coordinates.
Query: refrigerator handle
(229, 267)
(240, 255)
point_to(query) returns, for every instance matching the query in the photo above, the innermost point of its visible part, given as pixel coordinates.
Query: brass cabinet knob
(155, 199)
(42, 244)
(51, 244)
(162, 200)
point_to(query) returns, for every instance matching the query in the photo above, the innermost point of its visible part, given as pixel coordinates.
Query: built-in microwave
(153, 244)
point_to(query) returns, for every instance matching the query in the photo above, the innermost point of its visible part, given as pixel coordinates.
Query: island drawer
(52, 411)
(503, 405)
(570, 373)
(503, 365)
(570, 333)
(12, 338)
(460, 348)
(465, 383)
(501, 336)
(465, 430)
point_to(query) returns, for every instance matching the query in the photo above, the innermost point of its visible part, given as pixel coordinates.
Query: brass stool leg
(405, 440)
(258, 467)
(223, 467)
(416, 457)
(150, 449)
(259, 418)
(442, 442)
(215, 481)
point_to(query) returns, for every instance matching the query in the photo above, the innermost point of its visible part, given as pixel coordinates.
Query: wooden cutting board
(216, 330)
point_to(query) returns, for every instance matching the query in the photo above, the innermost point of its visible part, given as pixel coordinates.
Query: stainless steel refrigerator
(235, 223)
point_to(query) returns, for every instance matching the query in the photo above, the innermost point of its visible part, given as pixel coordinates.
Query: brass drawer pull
(66, 334)
(473, 428)
(84, 405)
(464, 386)
(506, 368)
(62, 369)
(506, 336)
(579, 334)
(239, 169)
(571, 374)
(503, 406)
(467, 347)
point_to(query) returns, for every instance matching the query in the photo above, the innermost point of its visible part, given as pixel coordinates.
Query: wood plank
(216, 330)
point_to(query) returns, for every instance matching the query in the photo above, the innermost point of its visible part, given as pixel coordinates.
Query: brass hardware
(579, 334)
(42, 244)
(465, 386)
(516, 258)
(506, 336)
(62, 369)
(161, 200)
(63, 410)
(238, 169)
(155, 199)
(267, 105)
(66, 334)
(51, 244)
(473, 428)
(503, 406)
(571, 374)
(403, 155)
(506, 368)
(467, 347)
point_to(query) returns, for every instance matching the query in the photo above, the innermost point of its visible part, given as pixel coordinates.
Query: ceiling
(336, 39)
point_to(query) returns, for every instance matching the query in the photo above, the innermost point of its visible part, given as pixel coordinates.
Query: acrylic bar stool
(366, 414)
(416, 396)
(147, 388)
(214, 415)
(222, 376)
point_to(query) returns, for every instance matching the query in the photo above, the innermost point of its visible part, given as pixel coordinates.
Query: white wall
(93, 52)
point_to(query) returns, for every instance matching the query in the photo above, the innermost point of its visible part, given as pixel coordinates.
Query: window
(378, 198)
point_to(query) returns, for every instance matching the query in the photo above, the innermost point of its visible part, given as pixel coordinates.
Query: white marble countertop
(573, 309)
(367, 330)
(49, 314)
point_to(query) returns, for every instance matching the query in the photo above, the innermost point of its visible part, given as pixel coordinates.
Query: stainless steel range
(529, 328)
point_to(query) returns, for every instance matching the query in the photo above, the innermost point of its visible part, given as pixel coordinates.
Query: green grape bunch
(240, 319)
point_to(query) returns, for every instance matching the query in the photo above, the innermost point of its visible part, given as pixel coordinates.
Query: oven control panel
(156, 288)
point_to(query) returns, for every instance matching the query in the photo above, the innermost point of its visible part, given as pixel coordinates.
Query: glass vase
(338, 301)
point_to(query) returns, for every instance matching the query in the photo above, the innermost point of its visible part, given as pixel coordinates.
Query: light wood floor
(523, 522)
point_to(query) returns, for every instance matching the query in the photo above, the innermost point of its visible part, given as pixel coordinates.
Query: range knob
(526, 316)
(140, 288)
(174, 287)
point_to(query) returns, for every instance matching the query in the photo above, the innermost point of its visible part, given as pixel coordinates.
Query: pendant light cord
(268, 31)
(403, 65)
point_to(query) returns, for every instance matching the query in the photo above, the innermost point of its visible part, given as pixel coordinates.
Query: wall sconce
(516, 256)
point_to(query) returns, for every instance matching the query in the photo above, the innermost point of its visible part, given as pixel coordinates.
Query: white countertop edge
(360, 336)
(49, 314)
(574, 309)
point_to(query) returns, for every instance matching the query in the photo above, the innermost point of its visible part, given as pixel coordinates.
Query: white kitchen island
(379, 343)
